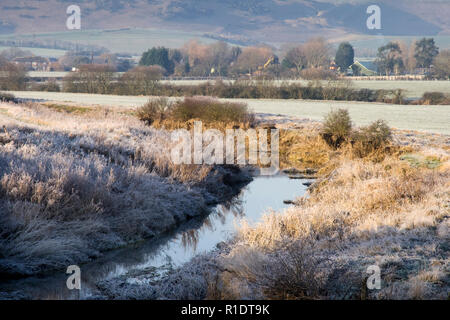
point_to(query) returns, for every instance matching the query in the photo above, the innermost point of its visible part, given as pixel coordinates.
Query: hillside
(238, 21)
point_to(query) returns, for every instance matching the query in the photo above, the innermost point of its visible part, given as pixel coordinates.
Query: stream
(199, 235)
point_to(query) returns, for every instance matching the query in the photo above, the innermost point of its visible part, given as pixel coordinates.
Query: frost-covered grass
(75, 184)
(387, 211)
(387, 214)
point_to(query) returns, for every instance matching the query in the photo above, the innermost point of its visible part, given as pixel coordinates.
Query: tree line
(314, 59)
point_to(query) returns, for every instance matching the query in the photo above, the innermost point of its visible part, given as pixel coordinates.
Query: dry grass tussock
(75, 183)
(390, 213)
(162, 113)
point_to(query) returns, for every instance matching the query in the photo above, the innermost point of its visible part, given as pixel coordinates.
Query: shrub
(141, 80)
(7, 97)
(367, 95)
(91, 78)
(336, 128)
(371, 138)
(398, 96)
(50, 86)
(317, 74)
(433, 98)
(339, 90)
(154, 110)
(211, 110)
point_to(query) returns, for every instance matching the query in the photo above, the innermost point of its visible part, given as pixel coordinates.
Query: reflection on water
(197, 236)
(234, 209)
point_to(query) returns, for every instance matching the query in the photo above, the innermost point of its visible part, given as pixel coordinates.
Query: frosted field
(56, 53)
(434, 119)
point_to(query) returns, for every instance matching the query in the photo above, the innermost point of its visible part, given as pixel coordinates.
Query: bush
(336, 128)
(317, 74)
(433, 98)
(50, 86)
(155, 110)
(398, 96)
(141, 80)
(211, 110)
(367, 95)
(205, 109)
(371, 138)
(7, 97)
(339, 90)
(91, 78)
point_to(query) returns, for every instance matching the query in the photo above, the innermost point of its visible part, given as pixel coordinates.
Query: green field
(434, 119)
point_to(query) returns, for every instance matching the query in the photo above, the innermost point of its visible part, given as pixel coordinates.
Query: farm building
(33, 63)
(366, 68)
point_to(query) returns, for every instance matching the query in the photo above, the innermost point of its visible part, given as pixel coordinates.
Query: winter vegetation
(144, 81)
(382, 199)
(212, 112)
(86, 168)
(76, 181)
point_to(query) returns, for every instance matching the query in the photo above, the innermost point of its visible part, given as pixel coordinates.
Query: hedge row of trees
(310, 60)
(220, 59)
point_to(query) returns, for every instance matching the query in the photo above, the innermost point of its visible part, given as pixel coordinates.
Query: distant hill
(395, 22)
(242, 21)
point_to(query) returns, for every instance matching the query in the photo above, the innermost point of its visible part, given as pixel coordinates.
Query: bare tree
(12, 76)
(297, 57)
(442, 65)
(407, 55)
(210, 59)
(317, 52)
(253, 57)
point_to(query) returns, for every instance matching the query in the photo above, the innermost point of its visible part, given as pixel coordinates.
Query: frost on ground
(75, 184)
(393, 213)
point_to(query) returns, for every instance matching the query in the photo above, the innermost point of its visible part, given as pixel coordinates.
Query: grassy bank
(388, 208)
